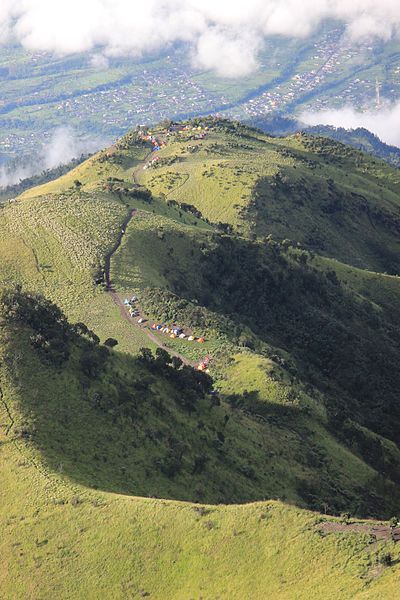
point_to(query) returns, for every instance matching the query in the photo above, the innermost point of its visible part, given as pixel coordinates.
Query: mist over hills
(100, 95)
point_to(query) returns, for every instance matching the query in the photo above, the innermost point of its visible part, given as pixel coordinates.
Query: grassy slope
(123, 547)
(59, 537)
(169, 538)
(175, 264)
(267, 185)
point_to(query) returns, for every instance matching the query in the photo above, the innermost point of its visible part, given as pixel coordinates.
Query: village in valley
(327, 71)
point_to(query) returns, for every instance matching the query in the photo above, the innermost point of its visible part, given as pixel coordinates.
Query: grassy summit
(123, 472)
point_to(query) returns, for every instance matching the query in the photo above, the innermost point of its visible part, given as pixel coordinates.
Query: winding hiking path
(155, 339)
(114, 295)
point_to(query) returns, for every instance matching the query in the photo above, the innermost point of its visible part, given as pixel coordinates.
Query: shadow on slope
(269, 294)
(329, 216)
(144, 426)
(148, 426)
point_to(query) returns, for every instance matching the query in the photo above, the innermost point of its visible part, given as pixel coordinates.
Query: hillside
(358, 138)
(148, 460)
(101, 99)
(331, 199)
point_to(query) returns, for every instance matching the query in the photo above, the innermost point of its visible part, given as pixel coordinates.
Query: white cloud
(225, 35)
(229, 55)
(63, 146)
(99, 62)
(385, 123)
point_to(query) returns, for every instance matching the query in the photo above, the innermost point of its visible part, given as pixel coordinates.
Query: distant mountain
(359, 138)
(10, 191)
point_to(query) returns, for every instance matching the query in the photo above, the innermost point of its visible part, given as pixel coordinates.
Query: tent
(172, 336)
(191, 338)
(201, 340)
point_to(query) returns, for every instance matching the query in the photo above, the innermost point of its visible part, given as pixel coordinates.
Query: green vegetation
(314, 191)
(358, 138)
(124, 468)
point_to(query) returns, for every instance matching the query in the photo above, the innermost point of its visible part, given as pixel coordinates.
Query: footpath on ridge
(114, 295)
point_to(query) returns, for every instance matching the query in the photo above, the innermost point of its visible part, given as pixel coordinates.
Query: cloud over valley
(224, 35)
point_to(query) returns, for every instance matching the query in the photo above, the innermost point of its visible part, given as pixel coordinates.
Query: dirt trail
(117, 300)
(379, 532)
(154, 338)
(107, 262)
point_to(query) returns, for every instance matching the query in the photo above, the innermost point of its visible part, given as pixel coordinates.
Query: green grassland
(118, 478)
(60, 524)
(311, 190)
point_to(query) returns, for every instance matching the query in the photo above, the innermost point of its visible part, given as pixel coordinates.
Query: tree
(146, 355)
(84, 331)
(163, 358)
(393, 522)
(92, 361)
(176, 362)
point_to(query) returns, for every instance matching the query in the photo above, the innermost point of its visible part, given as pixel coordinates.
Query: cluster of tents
(156, 143)
(130, 304)
(173, 331)
(176, 332)
(203, 366)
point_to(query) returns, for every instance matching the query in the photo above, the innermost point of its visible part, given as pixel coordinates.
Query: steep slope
(302, 350)
(323, 352)
(61, 535)
(334, 200)
(359, 138)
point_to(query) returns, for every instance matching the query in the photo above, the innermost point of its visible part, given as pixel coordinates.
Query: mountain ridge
(302, 350)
